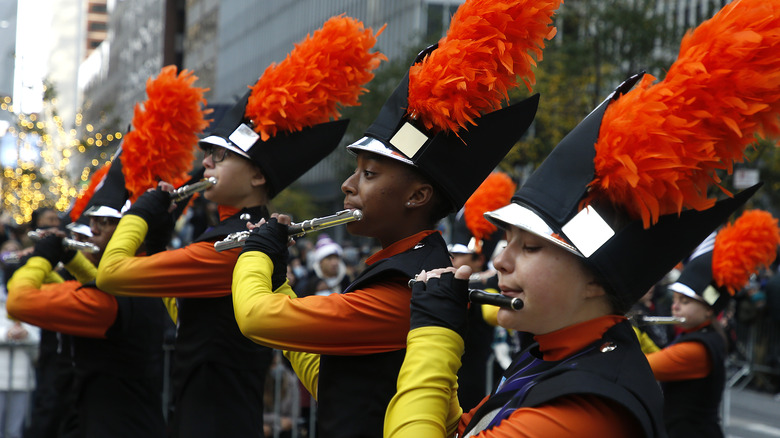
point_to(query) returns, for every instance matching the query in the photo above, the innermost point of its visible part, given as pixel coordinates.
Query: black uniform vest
(613, 368)
(354, 391)
(214, 359)
(692, 406)
(118, 380)
(478, 342)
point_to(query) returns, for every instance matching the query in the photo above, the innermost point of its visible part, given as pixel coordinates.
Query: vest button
(607, 347)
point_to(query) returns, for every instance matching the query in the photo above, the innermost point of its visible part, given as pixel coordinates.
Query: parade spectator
(329, 272)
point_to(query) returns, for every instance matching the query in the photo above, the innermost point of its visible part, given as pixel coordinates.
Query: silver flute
(479, 296)
(657, 320)
(185, 192)
(67, 242)
(234, 240)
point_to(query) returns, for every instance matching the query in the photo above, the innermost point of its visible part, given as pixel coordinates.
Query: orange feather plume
(660, 145)
(495, 192)
(161, 145)
(489, 44)
(743, 247)
(326, 70)
(81, 202)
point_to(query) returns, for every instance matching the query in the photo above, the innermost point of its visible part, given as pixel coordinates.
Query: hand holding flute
(67, 243)
(54, 247)
(235, 240)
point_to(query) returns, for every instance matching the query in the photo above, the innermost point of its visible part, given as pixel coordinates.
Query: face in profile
(234, 175)
(380, 187)
(553, 283)
(694, 311)
(102, 228)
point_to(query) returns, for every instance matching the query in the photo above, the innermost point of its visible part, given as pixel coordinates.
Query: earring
(409, 204)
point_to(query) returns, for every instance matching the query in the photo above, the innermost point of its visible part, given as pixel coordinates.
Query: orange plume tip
(661, 144)
(489, 45)
(743, 247)
(86, 194)
(495, 192)
(166, 128)
(328, 69)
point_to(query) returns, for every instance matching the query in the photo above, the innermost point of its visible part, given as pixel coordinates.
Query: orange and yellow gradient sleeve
(195, 271)
(64, 307)
(366, 321)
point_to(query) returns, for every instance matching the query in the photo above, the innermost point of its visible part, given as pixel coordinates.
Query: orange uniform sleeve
(61, 307)
(681, 361)
(366, 321)
(196, 270)
(572, 416)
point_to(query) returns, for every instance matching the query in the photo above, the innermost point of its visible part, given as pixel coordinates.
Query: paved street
(752, 415)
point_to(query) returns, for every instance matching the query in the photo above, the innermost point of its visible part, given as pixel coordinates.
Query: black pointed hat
(724, 267)
(283, 125)
(628, 257)
(456, 162)
(283, 158)
(472, 233)
(111, 198)
(443, 117)
(627, 189)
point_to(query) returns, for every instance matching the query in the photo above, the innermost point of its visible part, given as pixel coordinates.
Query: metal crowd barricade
(757, 354)
(15, 348)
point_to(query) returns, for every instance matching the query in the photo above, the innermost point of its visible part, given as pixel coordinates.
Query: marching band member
(116, 341)
(614, 207)
(692, 370)
(435, 140)
(272, 136)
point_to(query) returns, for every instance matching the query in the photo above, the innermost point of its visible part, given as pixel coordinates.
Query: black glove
(441, 302)
(152, 207)
(50, 248)
(271, 239)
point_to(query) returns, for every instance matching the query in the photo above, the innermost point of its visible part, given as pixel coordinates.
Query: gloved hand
(50, 248)
(271, 239)
(442, 302)
(153, 207)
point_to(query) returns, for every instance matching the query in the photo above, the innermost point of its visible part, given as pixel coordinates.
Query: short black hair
(440, 204)
(36, 215)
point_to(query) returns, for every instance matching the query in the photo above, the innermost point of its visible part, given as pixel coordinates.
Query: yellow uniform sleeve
(173, 309)
(427, 386)
(373, 319)
(647, 344)
(306, 367)
(52, 276)
(81, 268)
